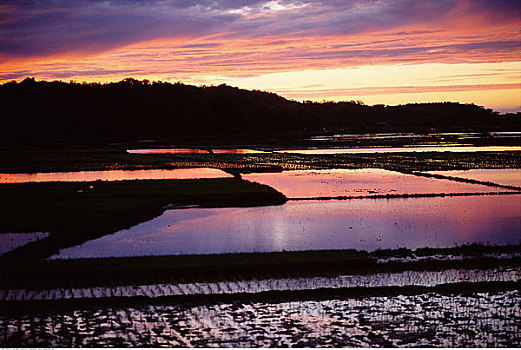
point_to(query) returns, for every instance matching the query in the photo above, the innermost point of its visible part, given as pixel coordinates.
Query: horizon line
(366, 90)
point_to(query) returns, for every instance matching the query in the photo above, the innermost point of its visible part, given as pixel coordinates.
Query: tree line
(40, 110)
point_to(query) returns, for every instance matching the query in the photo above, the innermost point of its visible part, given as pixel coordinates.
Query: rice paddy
(429, 257)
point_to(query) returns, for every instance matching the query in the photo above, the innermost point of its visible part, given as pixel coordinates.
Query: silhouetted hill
(130, 108)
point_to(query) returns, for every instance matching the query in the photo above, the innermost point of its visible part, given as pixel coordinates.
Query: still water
(379, 136)
(117, 175)
(236, 151)
(358, 182)
(363, 224)
(508, 177)
(355, 150)
(193, 151)
(10, 241)
(168, 151)
(437, 137)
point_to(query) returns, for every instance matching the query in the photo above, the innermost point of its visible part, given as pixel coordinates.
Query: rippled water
(363, 224)
(358, 182)
(433, 319)
(116, 175)
(399, 279)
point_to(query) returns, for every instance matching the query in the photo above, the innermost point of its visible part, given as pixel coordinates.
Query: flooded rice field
(194, 151)
(488, 319)
(377, 136)
(168, 151)
(446, 148)
(316, 310)
(506, 177)
(444, 256)
(505, 134)
(359, 182)
(116, 175)
(10, 241)
(361, 224)
(398, 279)
(445, 137)
(236, 151)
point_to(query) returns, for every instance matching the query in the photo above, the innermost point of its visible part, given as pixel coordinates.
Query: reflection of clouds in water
(355, 182)
(117, 175)
(507, 177)
(405, 149)
(362, 224)
(136, 240)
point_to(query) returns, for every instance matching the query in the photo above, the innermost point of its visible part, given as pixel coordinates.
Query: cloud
(32, 28)
(382, 90)
(203, 45)
(238, 38)
(61, 26)
(68, 74)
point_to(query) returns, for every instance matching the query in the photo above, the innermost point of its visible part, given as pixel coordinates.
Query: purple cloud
(54, 27)
(60, 26)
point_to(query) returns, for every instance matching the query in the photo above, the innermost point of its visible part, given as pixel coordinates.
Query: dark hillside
(39, 111)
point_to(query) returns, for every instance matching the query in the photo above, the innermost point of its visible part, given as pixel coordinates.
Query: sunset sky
(389, 52)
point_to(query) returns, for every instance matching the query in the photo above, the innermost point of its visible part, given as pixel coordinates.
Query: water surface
(441, 137)
(379, 136)
(432, 319)
(168, 151)
(236, 151)
(193, 151)
(358, 182)
(117, 175)
(362, 224)
(503, 134)
(10, 241)
(436, 137)
(384, 279)
(507, 177)
(447, 148)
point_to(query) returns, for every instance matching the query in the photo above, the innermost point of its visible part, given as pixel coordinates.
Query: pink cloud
(68, 38)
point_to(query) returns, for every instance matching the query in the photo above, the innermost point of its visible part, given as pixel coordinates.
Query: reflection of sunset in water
(405, 149)
(168, 151)
(236, 151)
(193, 151)
(362, 224)
(116, 175)
(358, 182)
(507, 177)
